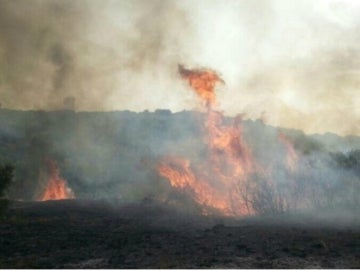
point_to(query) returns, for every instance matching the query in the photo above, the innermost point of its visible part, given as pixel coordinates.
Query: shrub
(6, 176)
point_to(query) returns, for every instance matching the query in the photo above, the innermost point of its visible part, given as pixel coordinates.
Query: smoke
(293, 64)
(108, 55)
(297, 62)
(36, 51)
(288, 61)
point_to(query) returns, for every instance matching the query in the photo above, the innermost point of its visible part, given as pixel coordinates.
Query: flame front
(180, 175)
(218, 182)
(56, 188)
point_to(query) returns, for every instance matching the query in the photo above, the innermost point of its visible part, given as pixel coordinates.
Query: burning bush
(214, 182)
(230, 178)
(56, 188)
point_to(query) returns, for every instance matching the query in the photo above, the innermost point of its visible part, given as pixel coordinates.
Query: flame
(227, 146)
(203, 82)
(56, 188)
(218, 182)
(291, 155)
(180, 175)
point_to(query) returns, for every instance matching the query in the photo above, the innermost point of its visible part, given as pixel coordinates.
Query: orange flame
(203, 81)
(224, 173)
(56, 188)
(291, 155)
(180, 175)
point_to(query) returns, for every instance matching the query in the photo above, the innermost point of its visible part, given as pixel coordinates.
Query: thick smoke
(297, 62)
(288, 61)
(106, 55)
(293, 64)
(37, 57)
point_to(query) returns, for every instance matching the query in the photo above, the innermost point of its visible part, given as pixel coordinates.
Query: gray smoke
(288, 61)
(295, 64)
(86, 49)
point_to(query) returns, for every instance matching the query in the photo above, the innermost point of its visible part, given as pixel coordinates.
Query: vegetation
(115, 154)
(6, 176)
(350, 160)
(332, 184)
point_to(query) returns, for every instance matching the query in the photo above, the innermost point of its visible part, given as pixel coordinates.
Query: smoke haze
(295, 64)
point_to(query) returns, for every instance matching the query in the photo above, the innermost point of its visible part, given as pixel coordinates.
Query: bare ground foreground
(99, 234)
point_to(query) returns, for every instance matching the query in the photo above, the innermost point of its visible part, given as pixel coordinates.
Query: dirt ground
(99, 234)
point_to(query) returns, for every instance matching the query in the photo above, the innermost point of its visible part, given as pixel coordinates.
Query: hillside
(115, 154)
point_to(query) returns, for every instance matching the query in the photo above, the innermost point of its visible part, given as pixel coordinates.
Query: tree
(6, 176)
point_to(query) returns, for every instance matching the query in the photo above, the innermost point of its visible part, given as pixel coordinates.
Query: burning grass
(228, 179)
(56, 187)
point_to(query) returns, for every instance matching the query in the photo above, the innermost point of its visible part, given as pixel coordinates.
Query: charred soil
(99, 234)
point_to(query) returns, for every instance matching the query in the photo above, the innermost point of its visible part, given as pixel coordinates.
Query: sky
(293, 64)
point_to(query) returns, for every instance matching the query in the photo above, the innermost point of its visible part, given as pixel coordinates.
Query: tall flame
(218, 182)
(203, 82)
(56, 188)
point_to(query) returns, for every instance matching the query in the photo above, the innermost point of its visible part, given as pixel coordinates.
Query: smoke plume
(295, 63)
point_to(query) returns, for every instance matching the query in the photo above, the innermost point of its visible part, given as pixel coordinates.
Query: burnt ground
(99, 234)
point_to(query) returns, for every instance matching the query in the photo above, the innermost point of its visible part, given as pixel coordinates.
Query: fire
(291, 155)
(180, 175)
(227, 146)
(56, 188)
(203, 81)
(219, 181)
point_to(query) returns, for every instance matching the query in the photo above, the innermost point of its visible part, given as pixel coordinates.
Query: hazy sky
(295, 63)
